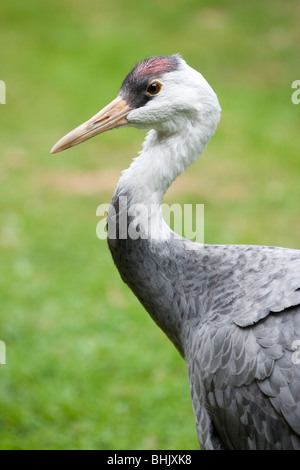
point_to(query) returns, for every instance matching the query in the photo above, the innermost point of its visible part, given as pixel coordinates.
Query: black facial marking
(134, 91)
(135, 85)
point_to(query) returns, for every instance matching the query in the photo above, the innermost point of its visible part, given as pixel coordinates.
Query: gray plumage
(233, 312)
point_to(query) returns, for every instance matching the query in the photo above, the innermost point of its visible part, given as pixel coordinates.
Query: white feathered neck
(161, 160)
(172, 146)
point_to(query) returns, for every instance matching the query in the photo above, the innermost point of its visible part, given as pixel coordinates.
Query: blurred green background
(86, 367)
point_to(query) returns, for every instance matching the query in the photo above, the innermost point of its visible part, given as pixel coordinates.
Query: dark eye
(154, 88)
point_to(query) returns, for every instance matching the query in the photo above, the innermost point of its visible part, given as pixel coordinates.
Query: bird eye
(154, 88)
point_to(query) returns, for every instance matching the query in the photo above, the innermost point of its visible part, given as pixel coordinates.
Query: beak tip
(57, 148)
(53, 150)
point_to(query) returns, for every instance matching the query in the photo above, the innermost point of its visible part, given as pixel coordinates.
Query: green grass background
(86, 368)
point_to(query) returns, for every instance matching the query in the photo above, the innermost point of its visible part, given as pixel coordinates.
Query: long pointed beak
(112, 116)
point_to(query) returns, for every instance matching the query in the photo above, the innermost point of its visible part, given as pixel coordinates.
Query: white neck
(159, 163)
(162, 159)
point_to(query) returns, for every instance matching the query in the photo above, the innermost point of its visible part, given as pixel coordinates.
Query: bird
(232, 311)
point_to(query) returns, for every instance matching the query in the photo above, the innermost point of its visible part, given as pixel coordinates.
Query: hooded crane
(232, 311)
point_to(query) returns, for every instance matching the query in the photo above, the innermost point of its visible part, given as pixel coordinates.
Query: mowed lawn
(86, 368)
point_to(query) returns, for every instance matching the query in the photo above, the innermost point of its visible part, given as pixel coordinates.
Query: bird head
(161, 93)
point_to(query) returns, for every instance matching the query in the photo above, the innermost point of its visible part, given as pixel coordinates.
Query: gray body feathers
(233, 312)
